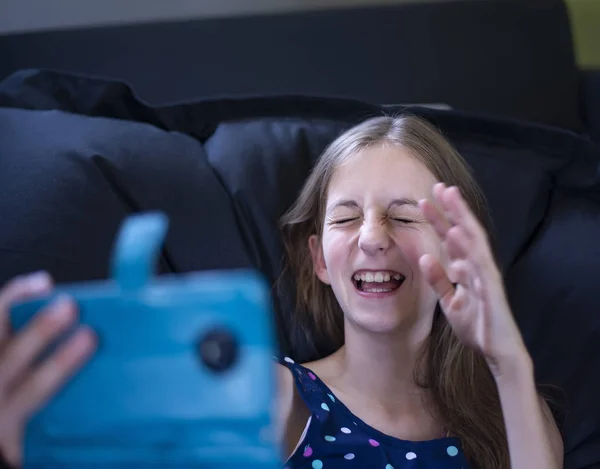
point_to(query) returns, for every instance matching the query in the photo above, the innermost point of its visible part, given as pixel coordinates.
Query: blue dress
(336, 439)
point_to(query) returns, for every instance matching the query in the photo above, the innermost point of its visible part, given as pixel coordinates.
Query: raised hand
(470, 287)
(24, 388)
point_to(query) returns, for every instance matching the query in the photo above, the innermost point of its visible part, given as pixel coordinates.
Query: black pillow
(67, 182)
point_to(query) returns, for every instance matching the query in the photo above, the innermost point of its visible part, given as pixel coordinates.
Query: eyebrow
(403, 201)
(393, 203)
(344, 203)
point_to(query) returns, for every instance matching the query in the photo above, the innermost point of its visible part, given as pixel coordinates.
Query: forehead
(385, 171)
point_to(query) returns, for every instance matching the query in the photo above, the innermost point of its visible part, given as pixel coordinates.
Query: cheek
(335, 251)
(416, 243)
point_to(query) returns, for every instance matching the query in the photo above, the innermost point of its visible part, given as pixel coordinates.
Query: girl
(388, 243)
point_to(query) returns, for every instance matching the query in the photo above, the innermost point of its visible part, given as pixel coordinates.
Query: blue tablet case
(183, 376)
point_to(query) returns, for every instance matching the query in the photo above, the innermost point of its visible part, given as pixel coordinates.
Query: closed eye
(343, 221)
(403, 220)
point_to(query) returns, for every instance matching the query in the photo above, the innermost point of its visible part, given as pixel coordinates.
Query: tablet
(183, 375)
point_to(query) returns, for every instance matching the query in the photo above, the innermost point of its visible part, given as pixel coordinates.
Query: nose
(374, 238)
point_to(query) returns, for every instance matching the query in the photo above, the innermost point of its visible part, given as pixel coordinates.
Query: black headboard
(504, 57)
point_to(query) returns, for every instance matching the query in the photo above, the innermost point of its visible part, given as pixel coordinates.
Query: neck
(381, 366)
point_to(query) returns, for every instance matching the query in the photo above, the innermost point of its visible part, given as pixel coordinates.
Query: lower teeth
(378, 290)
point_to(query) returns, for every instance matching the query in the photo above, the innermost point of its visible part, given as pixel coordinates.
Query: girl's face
(373, 237)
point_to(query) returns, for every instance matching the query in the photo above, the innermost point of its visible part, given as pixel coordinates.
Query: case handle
(136, 249)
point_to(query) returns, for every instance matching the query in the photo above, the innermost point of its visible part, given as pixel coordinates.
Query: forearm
(531, 434)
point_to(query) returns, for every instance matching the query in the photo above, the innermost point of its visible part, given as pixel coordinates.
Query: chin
(381, 321)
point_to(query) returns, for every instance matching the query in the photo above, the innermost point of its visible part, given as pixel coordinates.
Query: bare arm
(283, 404)
(533, 437)
(291, 412)
(472, 297)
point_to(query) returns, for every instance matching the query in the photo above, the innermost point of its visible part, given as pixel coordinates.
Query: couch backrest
(509, 58)
(77, 155)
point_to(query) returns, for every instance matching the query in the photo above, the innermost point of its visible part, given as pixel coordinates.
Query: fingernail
(62, 307)
(39, 281)
(86, 339)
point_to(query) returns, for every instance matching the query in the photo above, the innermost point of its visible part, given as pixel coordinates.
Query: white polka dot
(452, 450)
(349, 456)
(329, 438)
(389, 466)
(411, 455)
(288, 359)
(331, 397)
(345, 430)
(325, 407)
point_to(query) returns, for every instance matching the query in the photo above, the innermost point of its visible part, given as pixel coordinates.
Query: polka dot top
(336, 439)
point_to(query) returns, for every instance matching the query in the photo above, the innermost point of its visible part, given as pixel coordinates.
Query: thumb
(436, 276)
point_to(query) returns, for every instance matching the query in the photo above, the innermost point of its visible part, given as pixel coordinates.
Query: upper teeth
(376, 276)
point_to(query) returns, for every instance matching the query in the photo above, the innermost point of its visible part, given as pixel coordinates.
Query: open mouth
(383, 281)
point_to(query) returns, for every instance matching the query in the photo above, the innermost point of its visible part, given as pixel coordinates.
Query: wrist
(512, 367)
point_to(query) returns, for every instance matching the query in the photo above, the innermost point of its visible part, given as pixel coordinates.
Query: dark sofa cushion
(224, 171)
(67, 182)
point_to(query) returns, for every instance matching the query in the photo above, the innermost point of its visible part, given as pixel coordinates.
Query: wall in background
(34, 15)
(585, 21)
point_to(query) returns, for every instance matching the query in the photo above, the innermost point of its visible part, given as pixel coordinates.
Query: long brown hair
(458, 379)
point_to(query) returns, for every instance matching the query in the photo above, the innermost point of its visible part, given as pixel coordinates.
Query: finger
(435, 217)
(458, 310)
(456, 304)
(436, 277)
(438, 191)
(461, 272)
(460, 213)
(466, 238)
(44, 328)
(458, 245)
(478, 288)
(19, 289)
(50, 376)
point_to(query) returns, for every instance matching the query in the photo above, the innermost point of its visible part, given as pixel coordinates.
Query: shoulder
(289, 376)
(284, 401)
(291, 411)
(285, 388)
(324, 367)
